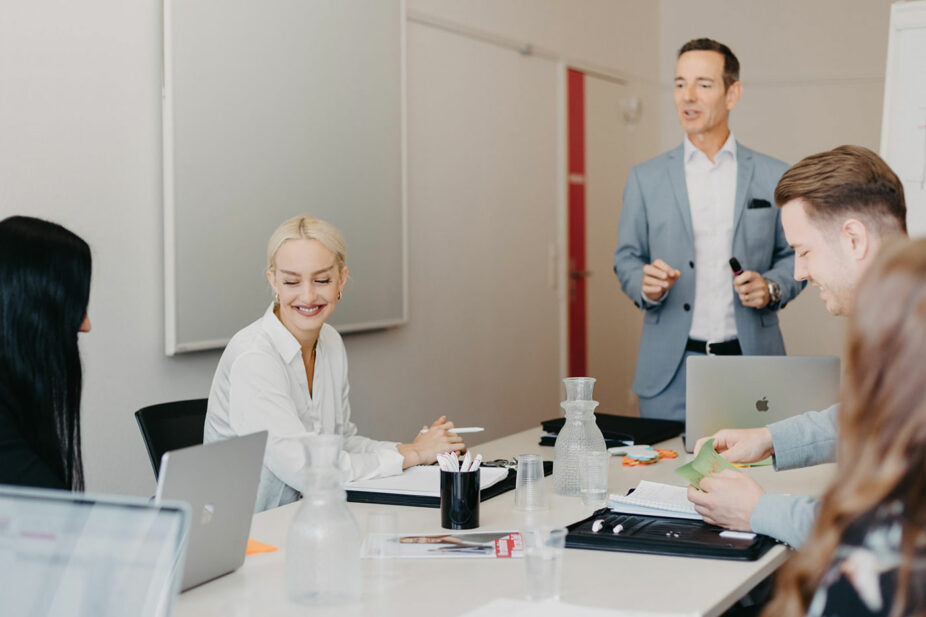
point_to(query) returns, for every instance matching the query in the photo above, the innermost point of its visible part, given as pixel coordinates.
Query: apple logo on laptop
(206, 515)
(762, 405)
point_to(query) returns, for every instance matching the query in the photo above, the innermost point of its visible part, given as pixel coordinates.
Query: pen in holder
(459, 499)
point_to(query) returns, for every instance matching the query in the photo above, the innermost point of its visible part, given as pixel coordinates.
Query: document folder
(622, 430)
(420, 501)
(663, 536)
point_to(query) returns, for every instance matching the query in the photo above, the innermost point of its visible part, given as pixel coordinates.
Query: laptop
(219, 480)
(89, 555)
(753, 391)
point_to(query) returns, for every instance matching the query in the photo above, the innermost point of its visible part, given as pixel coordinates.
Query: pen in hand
(462, 429)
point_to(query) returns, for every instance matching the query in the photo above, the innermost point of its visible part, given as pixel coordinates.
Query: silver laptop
(87, 555)
(219, 481)
(752, 391)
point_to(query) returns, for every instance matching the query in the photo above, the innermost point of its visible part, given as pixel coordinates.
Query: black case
(663, 536)
(620, 429)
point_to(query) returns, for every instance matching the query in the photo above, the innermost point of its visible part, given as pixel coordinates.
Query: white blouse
(260, 384)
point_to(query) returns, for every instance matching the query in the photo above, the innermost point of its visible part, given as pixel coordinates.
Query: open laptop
(752, 391)
(86, 555)
(219, 480)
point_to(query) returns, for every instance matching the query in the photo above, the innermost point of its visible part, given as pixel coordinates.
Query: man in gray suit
(685, 214)
(837, 209)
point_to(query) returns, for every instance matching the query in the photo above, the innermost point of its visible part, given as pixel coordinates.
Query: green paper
(707, 463)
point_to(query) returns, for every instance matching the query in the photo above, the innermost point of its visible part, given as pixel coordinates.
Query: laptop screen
(64, 553)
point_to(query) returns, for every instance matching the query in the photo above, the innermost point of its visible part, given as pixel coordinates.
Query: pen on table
(462, 429)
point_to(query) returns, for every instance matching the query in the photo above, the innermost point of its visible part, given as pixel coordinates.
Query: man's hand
(741, 445)
(728, 499)
(658, 277)
(752, 289)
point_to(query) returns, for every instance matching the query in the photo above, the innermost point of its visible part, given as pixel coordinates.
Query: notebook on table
(425, 492)
(219, 480)
(753, 391)
(90, 555)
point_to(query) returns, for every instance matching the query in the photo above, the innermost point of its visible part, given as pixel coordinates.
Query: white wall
(81, 126)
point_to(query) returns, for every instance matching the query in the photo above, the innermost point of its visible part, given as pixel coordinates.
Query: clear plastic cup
(382, 527)
(593, 478)
(579, 388)
(543, 563)
(530, 487)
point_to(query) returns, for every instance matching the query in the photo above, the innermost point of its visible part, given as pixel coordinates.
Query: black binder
(663, 536)
(618, 430)
(422, 501)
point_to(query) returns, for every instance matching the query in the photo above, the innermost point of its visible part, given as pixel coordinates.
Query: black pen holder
(459, 499)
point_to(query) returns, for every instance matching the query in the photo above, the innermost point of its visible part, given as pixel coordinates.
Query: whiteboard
(275, 108)
(903, 126)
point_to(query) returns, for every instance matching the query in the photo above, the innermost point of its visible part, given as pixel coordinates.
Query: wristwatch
(774, 293)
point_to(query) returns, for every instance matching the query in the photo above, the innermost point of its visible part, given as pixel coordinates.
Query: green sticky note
(707, 463)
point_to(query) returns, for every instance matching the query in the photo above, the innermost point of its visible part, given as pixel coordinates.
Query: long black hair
(44, 291)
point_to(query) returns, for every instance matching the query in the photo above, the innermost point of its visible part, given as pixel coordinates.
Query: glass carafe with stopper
(579, 434)
(323, 546)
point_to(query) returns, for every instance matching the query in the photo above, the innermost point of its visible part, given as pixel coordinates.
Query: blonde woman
(867, 553)
(287, 372)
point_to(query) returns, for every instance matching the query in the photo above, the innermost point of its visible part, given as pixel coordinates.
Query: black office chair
(170, 426)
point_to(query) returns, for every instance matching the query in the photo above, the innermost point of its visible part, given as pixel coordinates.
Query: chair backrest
(170, 426)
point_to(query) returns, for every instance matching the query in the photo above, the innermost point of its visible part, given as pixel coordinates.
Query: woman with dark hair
(867, 553)
(44, 290)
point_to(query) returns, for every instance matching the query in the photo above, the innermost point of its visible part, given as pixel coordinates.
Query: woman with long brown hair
(867, 553)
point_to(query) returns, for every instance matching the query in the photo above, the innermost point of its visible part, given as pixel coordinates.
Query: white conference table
(447, 587)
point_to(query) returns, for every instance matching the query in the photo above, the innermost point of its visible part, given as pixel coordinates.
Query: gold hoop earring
(339, 295)
(276, 298)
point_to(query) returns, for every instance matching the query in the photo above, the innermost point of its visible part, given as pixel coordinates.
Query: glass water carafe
(579, 434)
(323, 546)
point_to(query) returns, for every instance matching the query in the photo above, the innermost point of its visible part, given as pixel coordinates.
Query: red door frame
(575, 139)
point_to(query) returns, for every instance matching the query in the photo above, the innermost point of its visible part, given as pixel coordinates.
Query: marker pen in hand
(735, 266)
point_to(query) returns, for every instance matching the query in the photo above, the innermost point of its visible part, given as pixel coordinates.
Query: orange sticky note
(258, 547)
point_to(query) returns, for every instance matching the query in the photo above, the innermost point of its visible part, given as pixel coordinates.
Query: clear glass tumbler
(593, 478)
(543, 563)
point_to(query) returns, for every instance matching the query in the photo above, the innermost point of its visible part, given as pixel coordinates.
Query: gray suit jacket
(801, 441)
(656, 224)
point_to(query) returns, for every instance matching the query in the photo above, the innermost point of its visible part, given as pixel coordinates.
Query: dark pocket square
(758, 203)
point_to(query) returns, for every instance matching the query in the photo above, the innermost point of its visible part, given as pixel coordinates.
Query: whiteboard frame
(904, 15)
(171, 345)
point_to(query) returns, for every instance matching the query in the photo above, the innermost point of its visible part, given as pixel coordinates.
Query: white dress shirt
(711, 196)
(260, 384)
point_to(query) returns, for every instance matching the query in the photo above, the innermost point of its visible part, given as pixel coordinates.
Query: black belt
(726, 348)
